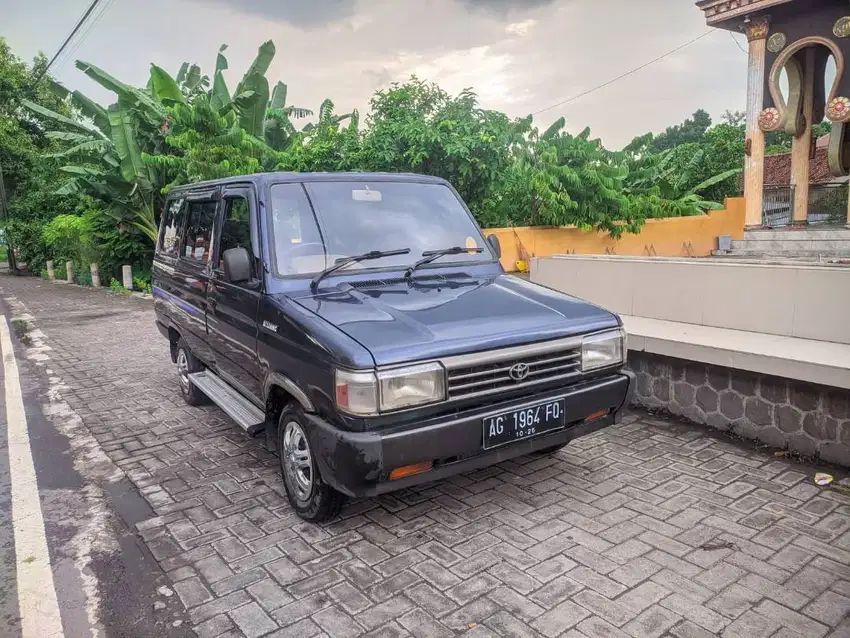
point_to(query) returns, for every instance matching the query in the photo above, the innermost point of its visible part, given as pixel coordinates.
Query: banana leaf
(153, 110)
(71, 187)
(278, 96)
(82, 171)
(91, 146)
(253, 116)
(165, 87)
(554, 129)
(220, 96)
(68, 136)
(297, 112)
(92, 110)
(57, 88)
(193, 77)
(61, 119)
(259, 66)
(220, 60)
(126, 145)
(181, 74)
(711, 181)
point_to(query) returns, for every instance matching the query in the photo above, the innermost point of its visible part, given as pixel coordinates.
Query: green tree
(691, 130)
(417, 127)
(27, 170)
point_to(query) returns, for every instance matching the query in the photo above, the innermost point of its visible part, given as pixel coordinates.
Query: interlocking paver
(652, 623)
(602, 538)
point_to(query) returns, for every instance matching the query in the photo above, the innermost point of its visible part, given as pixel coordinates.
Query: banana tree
(108, 151)
(663, 185)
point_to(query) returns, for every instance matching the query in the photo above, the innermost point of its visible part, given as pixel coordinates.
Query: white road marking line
(37, 601)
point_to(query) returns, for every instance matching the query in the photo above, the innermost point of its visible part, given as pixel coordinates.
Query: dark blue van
(364, 323)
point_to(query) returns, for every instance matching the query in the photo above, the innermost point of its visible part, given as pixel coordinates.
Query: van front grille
(489, 377)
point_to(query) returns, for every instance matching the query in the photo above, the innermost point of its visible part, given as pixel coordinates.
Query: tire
(310, 497)
(186, 365)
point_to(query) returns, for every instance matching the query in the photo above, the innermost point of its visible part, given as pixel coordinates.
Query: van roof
(282, 176)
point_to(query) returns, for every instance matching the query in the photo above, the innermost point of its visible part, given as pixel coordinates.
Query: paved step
(817, 245)
(789, 258)
(832, 233)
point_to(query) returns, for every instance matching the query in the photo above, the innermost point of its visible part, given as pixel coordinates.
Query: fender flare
(275, 378)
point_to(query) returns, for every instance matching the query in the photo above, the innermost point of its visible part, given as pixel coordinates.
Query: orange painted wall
(673, 237)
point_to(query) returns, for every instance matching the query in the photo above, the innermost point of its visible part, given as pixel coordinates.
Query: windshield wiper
(344, 261)
(430, 255)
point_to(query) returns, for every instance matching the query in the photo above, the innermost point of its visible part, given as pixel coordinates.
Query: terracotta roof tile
(777, 169)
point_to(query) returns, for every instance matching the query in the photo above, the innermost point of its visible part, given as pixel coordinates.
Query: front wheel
(186, 365)
(310, 497)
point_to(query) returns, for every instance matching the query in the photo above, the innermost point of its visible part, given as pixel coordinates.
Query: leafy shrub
(117, 287)
(82, 277)
(71, 239)
(120, 243)
(142, 283)
(25, 236)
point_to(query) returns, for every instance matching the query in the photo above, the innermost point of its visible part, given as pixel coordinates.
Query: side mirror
(237, 265)
(493, 240)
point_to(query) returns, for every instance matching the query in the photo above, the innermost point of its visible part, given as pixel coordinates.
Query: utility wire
(92, 23)
(76, 28)
(626, 74)
(737, 44)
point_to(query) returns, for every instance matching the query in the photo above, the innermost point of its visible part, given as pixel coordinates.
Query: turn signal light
(596, 415)
(411, 470)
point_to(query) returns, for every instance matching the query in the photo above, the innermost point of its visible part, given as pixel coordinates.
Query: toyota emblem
(519, 371)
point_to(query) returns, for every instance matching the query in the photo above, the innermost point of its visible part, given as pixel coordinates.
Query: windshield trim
(306, 187)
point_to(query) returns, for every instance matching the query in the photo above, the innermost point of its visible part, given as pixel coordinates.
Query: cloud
(301, 13)
(520, 29)
(505, 6)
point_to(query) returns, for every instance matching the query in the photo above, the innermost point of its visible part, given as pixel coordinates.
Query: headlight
(602, 350)
(406, 387)
(368, 393)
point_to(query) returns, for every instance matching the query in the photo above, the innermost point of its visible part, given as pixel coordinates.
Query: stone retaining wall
(808, 419)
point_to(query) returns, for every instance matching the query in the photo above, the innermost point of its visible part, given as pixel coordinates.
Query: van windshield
(357, 217)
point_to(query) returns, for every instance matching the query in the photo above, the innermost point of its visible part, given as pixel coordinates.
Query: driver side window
(236, 228)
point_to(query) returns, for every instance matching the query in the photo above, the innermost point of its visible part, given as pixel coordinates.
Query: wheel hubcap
(183, 370)
(296, 460)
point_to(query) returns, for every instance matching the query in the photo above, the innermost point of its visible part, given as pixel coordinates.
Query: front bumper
(358, 463)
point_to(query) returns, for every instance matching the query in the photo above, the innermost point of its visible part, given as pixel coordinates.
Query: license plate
(529, 421)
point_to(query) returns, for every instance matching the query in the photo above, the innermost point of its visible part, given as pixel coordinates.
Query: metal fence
(777, 205)
(827, 204)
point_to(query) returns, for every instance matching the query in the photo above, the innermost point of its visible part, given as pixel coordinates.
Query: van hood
(439, 316)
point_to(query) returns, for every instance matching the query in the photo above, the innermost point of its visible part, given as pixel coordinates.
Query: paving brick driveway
(602, 539)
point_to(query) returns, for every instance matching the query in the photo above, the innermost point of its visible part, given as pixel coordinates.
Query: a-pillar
(757, 31)
(801, 146)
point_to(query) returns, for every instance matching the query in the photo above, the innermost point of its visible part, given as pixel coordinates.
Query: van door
(232, 308)
(192, 271)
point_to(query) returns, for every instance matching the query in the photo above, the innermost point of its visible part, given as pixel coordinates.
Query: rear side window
(199, 225)
(172, 227)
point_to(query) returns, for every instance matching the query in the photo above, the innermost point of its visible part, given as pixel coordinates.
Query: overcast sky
(520, 56)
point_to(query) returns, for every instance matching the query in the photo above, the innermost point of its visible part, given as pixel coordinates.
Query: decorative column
(757, 31)
(801, 145)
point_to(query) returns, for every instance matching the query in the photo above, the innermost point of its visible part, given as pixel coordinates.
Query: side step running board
(237, 407)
